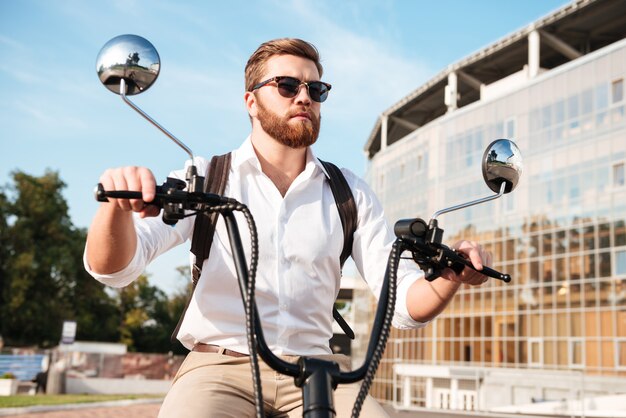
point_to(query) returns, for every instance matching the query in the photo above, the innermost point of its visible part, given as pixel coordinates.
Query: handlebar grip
(103, 195)
(487, 271)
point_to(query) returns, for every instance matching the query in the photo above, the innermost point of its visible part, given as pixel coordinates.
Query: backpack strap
(345, 205)
(204, 226)
(344, 199)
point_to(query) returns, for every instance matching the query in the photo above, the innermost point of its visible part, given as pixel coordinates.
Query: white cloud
(208, 88)
(369, 72)
(48, 119)
(21, 75)
(10, 42)
(367, 69)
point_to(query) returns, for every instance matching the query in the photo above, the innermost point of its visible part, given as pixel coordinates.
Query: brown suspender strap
(204, 226)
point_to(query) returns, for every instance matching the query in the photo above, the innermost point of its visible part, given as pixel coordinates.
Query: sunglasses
(289, 87)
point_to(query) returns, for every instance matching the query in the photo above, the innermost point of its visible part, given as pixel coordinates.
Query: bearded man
(276, 174)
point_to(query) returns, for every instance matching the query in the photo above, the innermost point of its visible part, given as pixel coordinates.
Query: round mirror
(128, 57)
(502, 162)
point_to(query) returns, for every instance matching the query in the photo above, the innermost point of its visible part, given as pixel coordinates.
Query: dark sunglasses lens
(288, 87)
(318, 91)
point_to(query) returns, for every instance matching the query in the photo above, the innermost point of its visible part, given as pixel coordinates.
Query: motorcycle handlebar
(103, 195)
(165, 194)
(487, 271)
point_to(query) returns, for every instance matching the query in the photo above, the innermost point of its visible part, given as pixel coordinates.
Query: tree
(4, 251)
(149, 317)
(43, 281)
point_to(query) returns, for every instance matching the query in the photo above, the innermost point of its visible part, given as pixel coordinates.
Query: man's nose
(303, 96)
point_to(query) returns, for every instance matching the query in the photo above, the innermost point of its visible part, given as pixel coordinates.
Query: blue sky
(55, 114)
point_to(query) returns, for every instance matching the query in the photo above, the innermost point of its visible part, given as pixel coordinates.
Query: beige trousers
(211, 385)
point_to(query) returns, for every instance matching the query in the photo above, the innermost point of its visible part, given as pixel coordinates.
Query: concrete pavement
(132, 411)
(118, 409)
(141, 408)
(150, 408)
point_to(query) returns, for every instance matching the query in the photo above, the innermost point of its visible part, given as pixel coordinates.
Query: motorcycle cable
(174, 202)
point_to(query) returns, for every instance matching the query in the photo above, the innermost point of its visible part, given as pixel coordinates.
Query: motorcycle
(128, 65)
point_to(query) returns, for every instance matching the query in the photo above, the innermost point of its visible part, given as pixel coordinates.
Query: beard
(294, 135)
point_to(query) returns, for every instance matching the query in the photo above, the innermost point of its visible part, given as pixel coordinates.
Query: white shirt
(300, 240)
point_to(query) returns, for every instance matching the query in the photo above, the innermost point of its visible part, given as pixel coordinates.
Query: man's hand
(478, 257)
(136, 179)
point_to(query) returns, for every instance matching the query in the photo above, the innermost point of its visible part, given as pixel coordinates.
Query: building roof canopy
(574, 30)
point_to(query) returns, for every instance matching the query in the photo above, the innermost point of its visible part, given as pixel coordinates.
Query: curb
(73, 406)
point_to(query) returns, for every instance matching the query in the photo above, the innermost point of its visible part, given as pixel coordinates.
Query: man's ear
(250, 100)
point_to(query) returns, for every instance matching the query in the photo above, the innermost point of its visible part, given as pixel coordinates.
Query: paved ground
(129, 411)
(151, 410)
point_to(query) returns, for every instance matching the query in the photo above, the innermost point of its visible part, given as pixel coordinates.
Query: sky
(55, 114)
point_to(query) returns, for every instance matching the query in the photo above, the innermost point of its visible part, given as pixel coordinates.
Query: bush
(7, 375)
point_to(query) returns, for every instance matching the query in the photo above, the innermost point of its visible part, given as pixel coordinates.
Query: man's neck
(282, 164)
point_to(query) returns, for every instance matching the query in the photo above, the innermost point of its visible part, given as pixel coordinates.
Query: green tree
(4, 250)
(43, 281)
(149, 317)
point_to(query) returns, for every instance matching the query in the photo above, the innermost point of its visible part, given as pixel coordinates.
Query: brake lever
(457, 261)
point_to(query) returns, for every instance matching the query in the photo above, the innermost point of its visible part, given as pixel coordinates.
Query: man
(277, 176)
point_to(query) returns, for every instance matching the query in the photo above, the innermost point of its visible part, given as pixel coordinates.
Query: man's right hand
(137, 179)
(112, 240)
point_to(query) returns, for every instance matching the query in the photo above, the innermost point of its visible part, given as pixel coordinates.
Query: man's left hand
(478, 256)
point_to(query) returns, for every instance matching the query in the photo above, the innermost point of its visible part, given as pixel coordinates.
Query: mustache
(304, 111)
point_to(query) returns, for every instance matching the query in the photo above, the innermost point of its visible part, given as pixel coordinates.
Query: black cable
(250, 314)
(379, 350)
(249, 300)
(228, 205)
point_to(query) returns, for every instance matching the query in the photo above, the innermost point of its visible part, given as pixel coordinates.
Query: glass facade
(561, 234)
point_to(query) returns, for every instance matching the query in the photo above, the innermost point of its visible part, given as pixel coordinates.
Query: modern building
(557, 332)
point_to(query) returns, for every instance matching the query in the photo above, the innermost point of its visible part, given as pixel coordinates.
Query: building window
(576, 352)
(559, 111)
(620, 353)
(572, 107)
(602, 96)
(510, 128)
(617, 91)
(618, 174)
(509, 204)
(620, 262)
(587, 101)
(535, 352)
(546, 117)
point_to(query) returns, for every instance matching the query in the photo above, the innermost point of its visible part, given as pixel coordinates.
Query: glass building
(557, 332)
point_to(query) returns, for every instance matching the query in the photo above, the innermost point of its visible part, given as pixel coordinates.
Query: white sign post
(69, 332)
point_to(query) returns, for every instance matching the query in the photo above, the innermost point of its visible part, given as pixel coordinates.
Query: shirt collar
(245, 153)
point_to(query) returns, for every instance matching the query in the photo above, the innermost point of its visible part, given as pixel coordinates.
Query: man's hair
(283, 46)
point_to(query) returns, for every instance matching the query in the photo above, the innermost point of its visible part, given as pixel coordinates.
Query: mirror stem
(152, 121)
(472, 203)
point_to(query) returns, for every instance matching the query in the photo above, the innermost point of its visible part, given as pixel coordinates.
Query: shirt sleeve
(373, 240)
(154, 238)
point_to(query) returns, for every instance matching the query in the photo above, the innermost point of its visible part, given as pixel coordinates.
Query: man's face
(295, 121)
